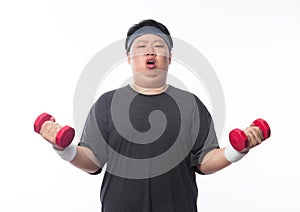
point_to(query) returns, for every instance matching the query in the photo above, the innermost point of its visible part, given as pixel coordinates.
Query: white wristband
(232, 155)
(68, 154)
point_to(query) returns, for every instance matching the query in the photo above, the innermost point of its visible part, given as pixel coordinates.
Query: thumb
(52, 119)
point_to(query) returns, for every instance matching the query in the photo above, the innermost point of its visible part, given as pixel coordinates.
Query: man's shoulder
(187, 95)
(107, 95)
(182, 92)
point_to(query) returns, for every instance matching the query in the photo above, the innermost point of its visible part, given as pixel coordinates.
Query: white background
(252, 45)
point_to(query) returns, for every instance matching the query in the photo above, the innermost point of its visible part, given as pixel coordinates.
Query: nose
(151, 54)
(150, 51)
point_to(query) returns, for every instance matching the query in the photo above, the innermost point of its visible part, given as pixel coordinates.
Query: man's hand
(49, 131)
(255, 136)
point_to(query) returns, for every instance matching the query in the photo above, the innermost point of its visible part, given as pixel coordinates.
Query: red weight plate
(40, 120)
(65, 136)
(264, 126)
(238, 140)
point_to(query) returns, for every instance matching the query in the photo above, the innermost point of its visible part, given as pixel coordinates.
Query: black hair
(148, 22)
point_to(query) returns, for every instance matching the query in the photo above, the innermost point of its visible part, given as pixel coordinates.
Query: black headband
(149, 30)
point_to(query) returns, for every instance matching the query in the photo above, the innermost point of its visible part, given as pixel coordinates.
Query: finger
(54, 128)
(45, 127)
(46, 124)
(255, 134)
(258, 134)
(49, 131)
(259, 131)
(252, 139)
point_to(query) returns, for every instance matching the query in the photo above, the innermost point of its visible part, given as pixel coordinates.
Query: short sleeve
(206, 139)
(95, 133)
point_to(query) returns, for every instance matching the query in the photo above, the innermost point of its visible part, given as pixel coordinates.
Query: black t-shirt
(151, 146)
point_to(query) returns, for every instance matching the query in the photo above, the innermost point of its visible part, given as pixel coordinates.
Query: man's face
(149, 58)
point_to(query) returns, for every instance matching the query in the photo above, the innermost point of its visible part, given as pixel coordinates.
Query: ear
(128, 58)
(170, 57)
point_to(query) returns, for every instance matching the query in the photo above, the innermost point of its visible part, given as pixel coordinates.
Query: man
(134, 180)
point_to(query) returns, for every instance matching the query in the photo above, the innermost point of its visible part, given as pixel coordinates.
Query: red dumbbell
(239, 139)
(64, 136)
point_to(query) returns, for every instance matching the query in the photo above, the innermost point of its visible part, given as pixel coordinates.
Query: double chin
(150, 78)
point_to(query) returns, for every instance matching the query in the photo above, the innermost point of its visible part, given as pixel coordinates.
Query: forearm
(214, 161)
(85, 160)
(218, 159)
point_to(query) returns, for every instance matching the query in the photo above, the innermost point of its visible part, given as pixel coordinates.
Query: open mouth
(151, 63)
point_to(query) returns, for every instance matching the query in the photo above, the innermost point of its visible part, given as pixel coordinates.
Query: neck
(149, 91)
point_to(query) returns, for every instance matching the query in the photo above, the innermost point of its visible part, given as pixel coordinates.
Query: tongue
(151, 65)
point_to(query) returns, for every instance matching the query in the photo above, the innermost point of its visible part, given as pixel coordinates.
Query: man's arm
(213, 161)
(85, 160)
(216, 159)
(79, 156)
